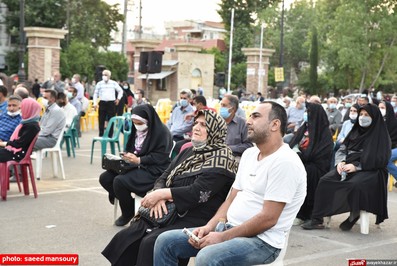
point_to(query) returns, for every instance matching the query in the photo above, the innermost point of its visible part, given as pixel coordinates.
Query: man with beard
(268, 192)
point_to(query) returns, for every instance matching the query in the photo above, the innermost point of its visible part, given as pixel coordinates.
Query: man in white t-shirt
(269, 189)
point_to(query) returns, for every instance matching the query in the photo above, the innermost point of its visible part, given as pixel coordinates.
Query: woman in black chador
(363, 157)
(313, 143)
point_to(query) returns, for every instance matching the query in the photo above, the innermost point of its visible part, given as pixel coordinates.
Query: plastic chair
(93, 114)
(116, 123)
(127, 126)
(70, 137)
(25, 163)
(84, 119)
(54, 151)
(364, 222)
(279, 261)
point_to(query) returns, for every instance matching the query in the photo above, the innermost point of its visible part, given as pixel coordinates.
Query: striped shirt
(7, 125)
(106, 91)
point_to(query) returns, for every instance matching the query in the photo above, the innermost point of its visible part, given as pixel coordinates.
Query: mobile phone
(190, 234)
(121, 154)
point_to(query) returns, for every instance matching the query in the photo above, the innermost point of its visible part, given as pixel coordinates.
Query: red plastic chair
(25, 163)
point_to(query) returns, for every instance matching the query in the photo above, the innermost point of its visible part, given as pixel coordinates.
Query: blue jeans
(391, 167)
(173, 244)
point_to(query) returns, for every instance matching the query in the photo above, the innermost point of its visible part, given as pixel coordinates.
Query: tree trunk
(383, 63)
(362, 80)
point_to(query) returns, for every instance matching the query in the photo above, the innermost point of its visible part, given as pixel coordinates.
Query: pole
(140, 20)
(21, 70)
(124, 37)
(229, 72)
(68, 23)
(280, 85)
(260, 63)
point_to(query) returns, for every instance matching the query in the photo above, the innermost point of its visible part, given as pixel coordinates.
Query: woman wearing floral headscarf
(24, 133)
(197, 181)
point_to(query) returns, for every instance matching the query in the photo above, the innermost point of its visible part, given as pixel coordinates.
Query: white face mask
(365, 121)
(199, 144)
(44, 102)
(383, 112)
(353, 116)
(142, 127)
(14, 113)
(73, 80)
(105, 78)
(136, 96)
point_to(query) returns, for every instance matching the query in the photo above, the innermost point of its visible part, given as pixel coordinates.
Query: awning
(160, 75)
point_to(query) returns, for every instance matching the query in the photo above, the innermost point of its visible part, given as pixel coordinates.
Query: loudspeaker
(154, 62)
(98, 72)
(143, 62)
(219, 79)
(150, 62)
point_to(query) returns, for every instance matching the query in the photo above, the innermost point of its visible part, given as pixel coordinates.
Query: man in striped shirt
(105, 90)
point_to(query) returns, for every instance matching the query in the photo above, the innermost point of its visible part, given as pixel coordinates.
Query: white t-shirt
(279, 177)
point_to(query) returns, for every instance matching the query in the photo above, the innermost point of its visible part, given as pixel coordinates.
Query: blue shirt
(346, 127)
(7, 125)
(3, 107)
(177, 123)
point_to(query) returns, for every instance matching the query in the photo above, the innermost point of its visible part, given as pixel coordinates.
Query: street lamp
(21, 50)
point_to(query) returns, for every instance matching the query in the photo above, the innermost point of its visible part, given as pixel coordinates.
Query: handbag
(114, 163)
(166, 220)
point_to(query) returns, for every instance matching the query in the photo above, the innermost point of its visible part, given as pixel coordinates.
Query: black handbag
(115, 164)
(167, 219)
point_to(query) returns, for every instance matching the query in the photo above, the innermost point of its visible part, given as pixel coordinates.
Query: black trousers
(107, 109)
(138, 181)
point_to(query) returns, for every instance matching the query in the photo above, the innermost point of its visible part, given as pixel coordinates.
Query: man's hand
(117, 101)
(3, 144)
(200, 232)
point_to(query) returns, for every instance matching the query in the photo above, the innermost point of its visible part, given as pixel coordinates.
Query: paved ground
(74, 216)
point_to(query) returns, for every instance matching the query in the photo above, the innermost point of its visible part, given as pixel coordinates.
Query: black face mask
(61, 104)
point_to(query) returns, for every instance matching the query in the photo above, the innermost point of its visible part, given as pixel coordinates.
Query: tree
(313, 85)
(90, 21)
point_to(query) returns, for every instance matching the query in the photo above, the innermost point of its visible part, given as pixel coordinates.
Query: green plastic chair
(127, 126)
(116, 123)
(70, 138)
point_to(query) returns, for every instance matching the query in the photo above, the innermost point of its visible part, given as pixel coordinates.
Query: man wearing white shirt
(80, 88)
(68, 109)
(105, 90)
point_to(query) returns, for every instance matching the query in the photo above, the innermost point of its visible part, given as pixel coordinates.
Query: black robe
(366, 189)
(317, 156)
(136, 244)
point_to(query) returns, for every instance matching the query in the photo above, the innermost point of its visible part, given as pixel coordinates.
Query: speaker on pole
(143, 62)
(98, 72)
(155, 62)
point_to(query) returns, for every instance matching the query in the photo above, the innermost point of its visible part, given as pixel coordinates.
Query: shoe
(111, 199)
(310, 225)
(121, 221)
(395, 184)
(347, 224)
(298, 221)
(13, 179)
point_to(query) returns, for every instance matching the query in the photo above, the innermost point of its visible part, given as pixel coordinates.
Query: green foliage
(82, 59)
(239, 73)
(313, 63)
(220, 59)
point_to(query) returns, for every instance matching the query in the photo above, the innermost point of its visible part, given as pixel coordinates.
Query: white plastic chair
(364, 222)
(54, 152)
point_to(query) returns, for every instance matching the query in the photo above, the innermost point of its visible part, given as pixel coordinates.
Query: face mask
(45, 102)
(199, 144)
(303, 105)
(142, 127)
(183, 102)
(73, 80)
(348, 105)
(105, 78)
(61, 104)
(136, 96)
(70, 95)
(305, 117)
(383, 112)
(125, 87)
(393, 104)
(365, 121)
(353, 116)
(12, 114)
(224, 112)
(332, 106)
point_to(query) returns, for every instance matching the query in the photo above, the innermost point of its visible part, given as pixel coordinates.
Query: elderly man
(11, 119)
(295, 114)
(106, 91)
(177, 123)
(236, 137)
(77, 84)
(55, 83)
(52, 122)
(333, 114)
